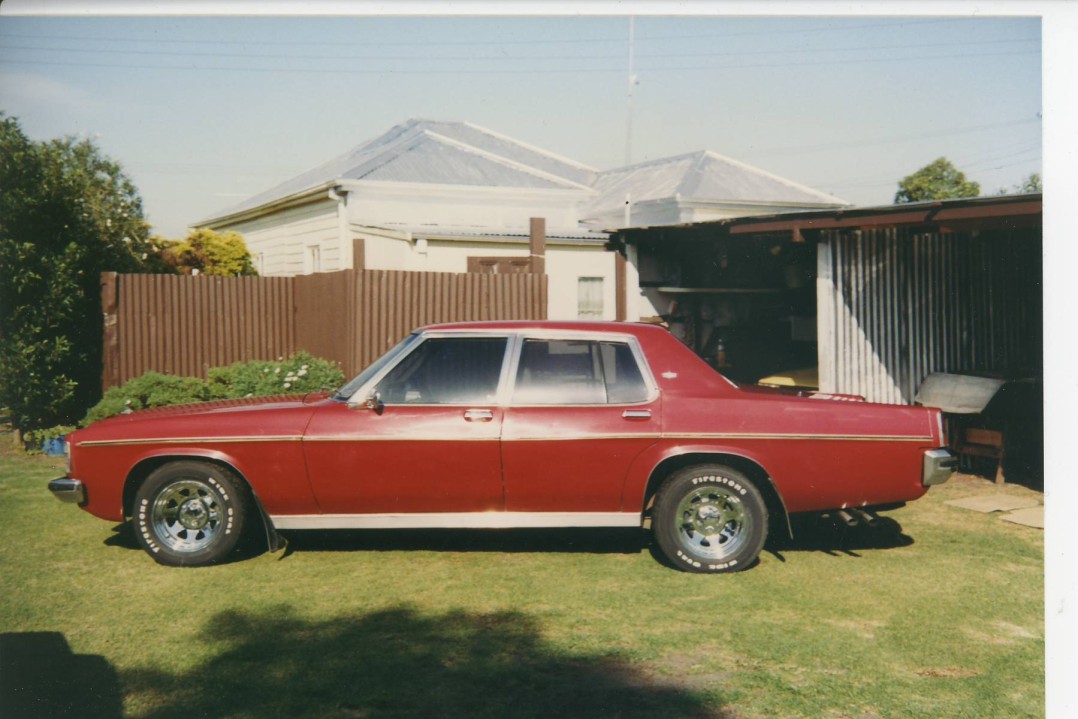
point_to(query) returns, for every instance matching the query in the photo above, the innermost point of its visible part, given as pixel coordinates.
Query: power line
(502, 58)
(502, 71)
(474, 43)
(842, 144)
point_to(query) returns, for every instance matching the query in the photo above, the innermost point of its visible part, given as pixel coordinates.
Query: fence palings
(183, 325)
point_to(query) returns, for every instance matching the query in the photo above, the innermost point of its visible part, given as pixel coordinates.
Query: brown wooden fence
(184, 325)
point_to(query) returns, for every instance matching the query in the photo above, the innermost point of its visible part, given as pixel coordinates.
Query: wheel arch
(145, 466)
(752, 469)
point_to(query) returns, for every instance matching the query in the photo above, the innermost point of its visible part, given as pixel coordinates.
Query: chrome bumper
(68, 490)
(939, 465)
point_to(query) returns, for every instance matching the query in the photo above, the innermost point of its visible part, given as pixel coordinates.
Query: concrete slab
(1028, 517)
(994, 503)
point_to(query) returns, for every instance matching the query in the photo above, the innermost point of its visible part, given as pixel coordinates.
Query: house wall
(279, 243)
(565, 264)
(492, 208)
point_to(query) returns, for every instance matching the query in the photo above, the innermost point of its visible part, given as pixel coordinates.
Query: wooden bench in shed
(976, 442)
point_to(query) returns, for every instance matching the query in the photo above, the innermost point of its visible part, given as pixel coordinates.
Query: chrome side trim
(401, 438)
(457, 520)
(939, 465)
(844, 437)
(547, 438)
(187, 440)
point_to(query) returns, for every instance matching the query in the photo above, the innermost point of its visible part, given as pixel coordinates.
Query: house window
(500, 265)
(589, 298)
(313, 261)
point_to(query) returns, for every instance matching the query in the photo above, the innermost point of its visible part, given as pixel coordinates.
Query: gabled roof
(704, 176)
(430, 151)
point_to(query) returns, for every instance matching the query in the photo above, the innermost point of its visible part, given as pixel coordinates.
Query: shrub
(300, 373)
(149, 390)
(35, 438)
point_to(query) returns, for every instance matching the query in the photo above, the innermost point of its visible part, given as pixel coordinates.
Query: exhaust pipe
(870, 520)
(848, 519)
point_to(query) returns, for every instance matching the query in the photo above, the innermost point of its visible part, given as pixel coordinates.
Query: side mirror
(373, 402)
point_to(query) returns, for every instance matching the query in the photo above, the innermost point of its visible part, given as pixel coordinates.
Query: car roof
(622, 328)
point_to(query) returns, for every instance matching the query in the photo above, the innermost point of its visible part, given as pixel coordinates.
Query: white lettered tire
(710, 519)
(189, 513)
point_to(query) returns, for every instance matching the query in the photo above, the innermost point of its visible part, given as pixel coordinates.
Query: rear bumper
(68, 490)
(939, 465)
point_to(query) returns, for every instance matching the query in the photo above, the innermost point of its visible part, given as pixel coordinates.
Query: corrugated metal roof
(459, 153)
(429, 151)
(702, 175)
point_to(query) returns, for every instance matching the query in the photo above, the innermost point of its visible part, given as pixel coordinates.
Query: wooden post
(359, 254)
(110, 344)
(537, 245)
(621, 290)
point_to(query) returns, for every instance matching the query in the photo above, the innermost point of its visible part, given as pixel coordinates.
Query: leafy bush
(36, 437)
(300, 373)
(67, 214)
(152, 389)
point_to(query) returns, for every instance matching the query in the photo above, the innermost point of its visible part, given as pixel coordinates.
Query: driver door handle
(636, 414)
(478, 415)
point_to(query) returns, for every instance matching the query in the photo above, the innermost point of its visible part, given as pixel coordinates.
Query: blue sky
(203, 111)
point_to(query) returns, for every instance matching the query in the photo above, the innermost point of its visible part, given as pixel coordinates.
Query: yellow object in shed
(807, 378)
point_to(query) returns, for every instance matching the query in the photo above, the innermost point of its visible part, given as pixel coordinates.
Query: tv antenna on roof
(633, 81)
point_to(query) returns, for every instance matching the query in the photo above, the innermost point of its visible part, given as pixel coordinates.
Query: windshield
(363, 377)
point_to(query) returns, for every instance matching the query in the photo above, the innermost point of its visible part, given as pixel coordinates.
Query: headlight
(67, 453)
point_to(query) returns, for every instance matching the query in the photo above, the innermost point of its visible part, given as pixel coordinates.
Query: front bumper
(939, 465)
(68, 490)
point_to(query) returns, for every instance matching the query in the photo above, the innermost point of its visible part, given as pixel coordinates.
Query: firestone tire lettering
(710, 519)
(190, 513)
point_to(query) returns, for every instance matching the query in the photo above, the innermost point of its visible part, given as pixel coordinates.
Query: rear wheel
(189, 513)
(709, 519)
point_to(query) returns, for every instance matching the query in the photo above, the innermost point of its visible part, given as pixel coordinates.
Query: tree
(938, 181)
(209, 253)
(67, 213)
(1030, 185)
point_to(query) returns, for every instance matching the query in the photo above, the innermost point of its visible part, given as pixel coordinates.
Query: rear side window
(447, 370)
(575, 372)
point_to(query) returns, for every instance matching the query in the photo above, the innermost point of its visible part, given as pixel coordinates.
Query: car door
(580, 412)
(430, 446)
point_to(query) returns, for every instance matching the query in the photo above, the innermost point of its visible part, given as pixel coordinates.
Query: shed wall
(896, 304)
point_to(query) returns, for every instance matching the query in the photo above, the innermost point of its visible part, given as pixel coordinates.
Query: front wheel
(189, 514)
(710, 519)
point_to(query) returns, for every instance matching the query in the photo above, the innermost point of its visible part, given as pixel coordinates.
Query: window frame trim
(511, 362)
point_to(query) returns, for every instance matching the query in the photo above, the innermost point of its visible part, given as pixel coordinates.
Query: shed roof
(702, 175)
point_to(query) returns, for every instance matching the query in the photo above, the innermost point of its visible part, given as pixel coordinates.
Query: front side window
(447, 370)
(578, 372)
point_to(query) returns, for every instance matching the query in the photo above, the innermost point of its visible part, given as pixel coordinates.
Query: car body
(502, 425)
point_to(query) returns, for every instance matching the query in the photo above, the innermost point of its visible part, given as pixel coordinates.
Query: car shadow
(41, 677)
(576, 540)
(812, 533)
(400, 663)
(821, 533)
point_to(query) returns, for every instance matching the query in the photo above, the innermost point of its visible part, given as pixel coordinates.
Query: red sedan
(509, 424)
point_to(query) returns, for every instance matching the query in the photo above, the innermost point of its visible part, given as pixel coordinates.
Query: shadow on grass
(41, 677)
(587, 541)
(398, 663)
(816, 533)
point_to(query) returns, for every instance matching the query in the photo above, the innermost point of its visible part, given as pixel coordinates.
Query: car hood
(249, 416)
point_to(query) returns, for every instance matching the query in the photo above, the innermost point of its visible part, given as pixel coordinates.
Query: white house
(454, 197)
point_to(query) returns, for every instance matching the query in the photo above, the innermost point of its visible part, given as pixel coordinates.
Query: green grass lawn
(936, 613)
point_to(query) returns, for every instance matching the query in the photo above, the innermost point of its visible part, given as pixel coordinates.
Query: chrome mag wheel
(712, 522)
(188, 515)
